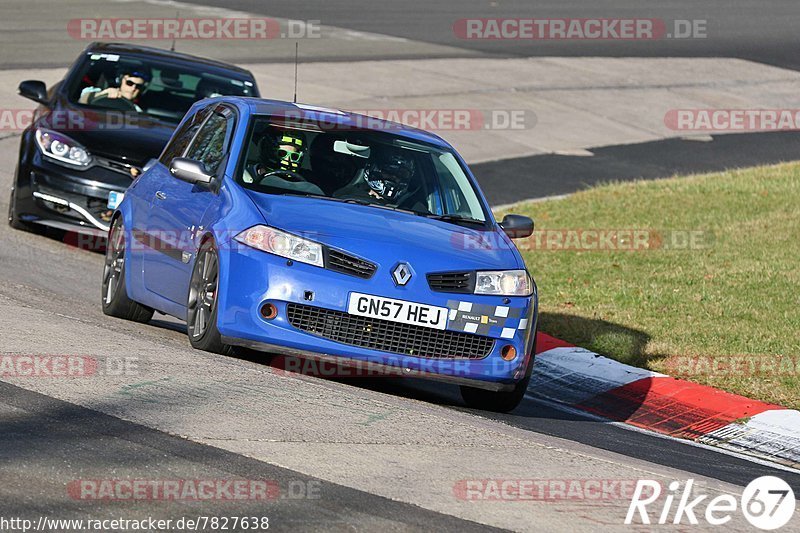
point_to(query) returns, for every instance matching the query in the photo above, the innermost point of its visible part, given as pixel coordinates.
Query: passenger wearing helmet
(388, 178)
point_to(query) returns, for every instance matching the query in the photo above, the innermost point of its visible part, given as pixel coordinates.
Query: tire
(201, 306)
(502, 401)
(114, 293)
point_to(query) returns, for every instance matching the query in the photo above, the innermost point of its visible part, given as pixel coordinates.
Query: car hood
(386, 237)
(135, 139)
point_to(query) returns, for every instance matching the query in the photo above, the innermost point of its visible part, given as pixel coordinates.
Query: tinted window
(364, 166)
(160, 89)
(181, 139)
(209, 145)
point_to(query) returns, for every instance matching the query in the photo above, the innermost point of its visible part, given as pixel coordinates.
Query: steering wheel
(288, 175)
(121, 104)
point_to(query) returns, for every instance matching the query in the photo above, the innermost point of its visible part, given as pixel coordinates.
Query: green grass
(734, 298)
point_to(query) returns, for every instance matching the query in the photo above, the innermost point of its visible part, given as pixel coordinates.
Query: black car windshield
(369, 167)
(163, 90)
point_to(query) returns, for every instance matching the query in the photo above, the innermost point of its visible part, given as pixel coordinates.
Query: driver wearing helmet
(290, 151)
(280, 167)
(131, 84)
(282, 153)
(387, 178)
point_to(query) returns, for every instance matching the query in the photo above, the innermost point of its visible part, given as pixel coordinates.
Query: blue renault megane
(328, 236)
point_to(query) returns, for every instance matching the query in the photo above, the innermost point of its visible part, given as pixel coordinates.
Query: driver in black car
(131, 85)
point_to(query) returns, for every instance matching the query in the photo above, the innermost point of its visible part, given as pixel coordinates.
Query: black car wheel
(503, 401)
(201, 316)
(115, 296)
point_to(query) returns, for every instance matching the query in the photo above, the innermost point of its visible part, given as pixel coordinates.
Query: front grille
(348, 264)
(386, 336)
(117, 166)
(451, 282)
(95, 206)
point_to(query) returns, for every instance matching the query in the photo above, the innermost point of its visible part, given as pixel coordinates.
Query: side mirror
(517, 226)
(190, 171)
(34, 90)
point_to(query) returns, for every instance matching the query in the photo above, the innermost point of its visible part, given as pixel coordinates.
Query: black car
(114, 110)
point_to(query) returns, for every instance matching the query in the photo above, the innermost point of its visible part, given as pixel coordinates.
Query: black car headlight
(62, 149)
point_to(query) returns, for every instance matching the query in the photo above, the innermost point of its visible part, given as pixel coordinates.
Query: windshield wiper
(457, 219)
(352, 201)
(379, 206)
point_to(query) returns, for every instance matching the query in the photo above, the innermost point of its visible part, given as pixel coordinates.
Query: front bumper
(254, 278)
(76, 200)
(372, 369)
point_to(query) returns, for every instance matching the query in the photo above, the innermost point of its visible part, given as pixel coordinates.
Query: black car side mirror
(34, 90)
(517, 226)
(190, 171)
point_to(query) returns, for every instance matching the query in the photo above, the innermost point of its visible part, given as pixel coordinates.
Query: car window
(164, 90)
(362, 166)
(181, 139)
(208, 146)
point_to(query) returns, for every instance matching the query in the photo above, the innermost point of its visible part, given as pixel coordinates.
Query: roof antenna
(172, 48)
(296, 53)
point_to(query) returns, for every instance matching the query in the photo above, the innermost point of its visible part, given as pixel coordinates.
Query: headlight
(504, 283)
(61, 148)
(283, 244)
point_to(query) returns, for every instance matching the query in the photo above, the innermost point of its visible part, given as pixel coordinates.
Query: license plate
(401, 311)
(114, 199)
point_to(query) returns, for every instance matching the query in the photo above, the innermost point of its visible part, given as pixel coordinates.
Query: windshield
(142, 86)
(368, 167)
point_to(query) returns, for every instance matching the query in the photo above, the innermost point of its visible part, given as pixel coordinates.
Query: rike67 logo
(767, 503)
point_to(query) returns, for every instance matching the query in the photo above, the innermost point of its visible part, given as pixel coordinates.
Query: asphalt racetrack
(346, 454)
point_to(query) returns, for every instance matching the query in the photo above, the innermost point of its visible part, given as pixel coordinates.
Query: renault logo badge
(401, 274)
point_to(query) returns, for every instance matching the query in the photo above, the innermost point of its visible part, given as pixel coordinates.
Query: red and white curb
(601, 386)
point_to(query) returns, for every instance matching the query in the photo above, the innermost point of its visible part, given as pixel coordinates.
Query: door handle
(160, 195)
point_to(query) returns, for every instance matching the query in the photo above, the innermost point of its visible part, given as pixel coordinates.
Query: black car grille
(386, 336)
(97, 207)
(451, 282)
(117, 166)
(348, 264)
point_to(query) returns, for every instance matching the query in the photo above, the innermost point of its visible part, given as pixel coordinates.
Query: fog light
(508, 352)
(269, 311)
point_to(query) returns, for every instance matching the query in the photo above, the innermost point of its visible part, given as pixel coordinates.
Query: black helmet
(390, 174)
